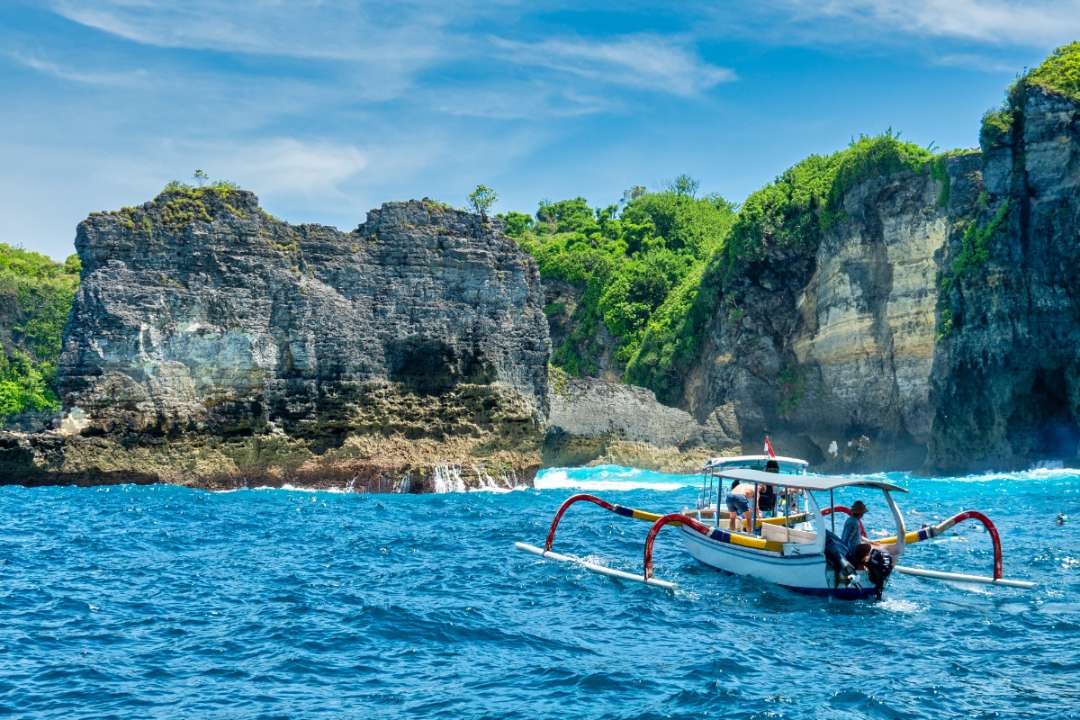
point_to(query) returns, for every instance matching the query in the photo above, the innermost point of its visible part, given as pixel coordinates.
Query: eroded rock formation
(937, 324)
(595, 421)
(1006, 381)
(212, 343)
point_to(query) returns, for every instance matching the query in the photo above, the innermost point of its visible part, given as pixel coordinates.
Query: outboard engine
(879, 567)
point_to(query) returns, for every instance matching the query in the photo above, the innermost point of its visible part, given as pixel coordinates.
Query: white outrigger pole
(593, 567)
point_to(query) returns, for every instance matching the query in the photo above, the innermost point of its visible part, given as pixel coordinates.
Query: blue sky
(327, 109)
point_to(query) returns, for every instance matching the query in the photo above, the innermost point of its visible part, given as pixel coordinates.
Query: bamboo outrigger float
(793, 549)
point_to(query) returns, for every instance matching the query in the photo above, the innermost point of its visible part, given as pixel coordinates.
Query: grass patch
(1060, 72)
(182, 204)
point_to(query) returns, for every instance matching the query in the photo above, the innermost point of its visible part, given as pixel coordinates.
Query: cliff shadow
(1043, 423)
(430, 366)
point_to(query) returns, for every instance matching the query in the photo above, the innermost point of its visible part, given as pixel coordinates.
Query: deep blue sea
(166, 602)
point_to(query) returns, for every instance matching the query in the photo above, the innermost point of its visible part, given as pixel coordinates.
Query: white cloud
(639, 61)
(351, 31)
(990, 22)
(85, 77)
(975, 61)
(512, 100)
(282, 165)
(382, 46)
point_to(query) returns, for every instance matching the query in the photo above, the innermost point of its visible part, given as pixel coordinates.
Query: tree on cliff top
(482, 198)
(625, 263)
(684, 185)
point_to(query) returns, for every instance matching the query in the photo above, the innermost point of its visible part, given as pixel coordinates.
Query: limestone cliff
(220, 345)
(595, 421)
(934, 324)
(1006, 381)
(832, 351)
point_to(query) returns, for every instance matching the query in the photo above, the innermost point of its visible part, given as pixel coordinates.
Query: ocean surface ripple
(165, 602)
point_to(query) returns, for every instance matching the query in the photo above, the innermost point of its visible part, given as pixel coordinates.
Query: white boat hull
(807, 573)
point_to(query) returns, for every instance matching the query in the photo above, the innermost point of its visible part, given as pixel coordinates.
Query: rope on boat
(847, 511)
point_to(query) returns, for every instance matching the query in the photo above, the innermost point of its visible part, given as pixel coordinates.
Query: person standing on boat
(738, 503)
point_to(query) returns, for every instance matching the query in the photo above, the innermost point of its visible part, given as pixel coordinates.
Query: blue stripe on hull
(847, 593)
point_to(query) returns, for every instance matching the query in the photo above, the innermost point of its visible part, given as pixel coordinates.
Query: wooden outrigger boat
(794, 548)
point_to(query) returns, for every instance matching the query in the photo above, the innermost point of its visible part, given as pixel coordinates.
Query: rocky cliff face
(1006, 380)
(227, 346)
(595, 421)
(831, 352)
(935, 326)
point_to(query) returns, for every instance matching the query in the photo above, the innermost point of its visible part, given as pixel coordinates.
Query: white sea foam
(1032, 474)
(294, 488)
(611, 478)
(447, 479)
(1045, 472)
(898, 605)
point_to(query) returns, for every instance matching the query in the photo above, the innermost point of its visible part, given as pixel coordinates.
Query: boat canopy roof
(806, 482)
(719, 462)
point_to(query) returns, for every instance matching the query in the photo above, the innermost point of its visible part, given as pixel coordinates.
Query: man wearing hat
(852, 534)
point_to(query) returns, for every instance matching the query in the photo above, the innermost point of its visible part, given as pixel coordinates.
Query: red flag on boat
(768, 447)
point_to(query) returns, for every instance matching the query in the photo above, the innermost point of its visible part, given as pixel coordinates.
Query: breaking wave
(611, 478)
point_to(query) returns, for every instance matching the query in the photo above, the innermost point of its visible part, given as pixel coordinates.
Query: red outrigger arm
(611, 507)
(676, 518)
(932, 531)
(658, 521)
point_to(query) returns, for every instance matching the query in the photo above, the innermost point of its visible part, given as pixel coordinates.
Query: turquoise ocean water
(164, 602)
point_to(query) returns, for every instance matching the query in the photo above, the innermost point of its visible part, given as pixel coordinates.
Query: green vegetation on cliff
(655, 269)
(35, 298)
(626, 259)
(1059, 73)
(783, 220)
(183, 204)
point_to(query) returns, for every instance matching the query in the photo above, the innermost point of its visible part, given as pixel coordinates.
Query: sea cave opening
(1047, 418)
(430, 366)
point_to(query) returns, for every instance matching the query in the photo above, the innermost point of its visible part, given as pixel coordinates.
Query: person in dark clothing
(851, 535)
(767, 499)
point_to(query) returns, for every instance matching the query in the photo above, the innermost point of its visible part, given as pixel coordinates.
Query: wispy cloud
(312, 29)
(387, 45)
(975, 61)
(283, 165)
(86, 77)
(646, 62)
(511, 100)
(989, 22)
